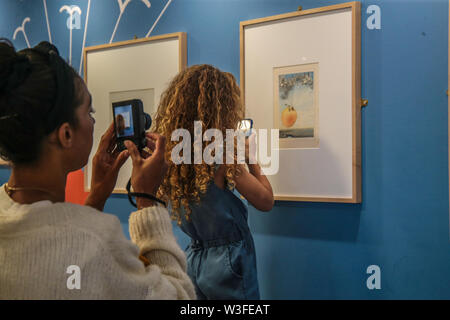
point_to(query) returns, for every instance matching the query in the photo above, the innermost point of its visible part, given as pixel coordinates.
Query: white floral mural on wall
(22, 29)
(71, 10)
(75, 13)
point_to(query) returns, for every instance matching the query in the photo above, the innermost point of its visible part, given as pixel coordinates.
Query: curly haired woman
(205, 198)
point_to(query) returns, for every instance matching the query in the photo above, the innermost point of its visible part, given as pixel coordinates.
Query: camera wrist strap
(141, 195)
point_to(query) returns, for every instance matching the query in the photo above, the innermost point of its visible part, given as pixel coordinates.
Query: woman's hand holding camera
(148, 170)
(105, 169)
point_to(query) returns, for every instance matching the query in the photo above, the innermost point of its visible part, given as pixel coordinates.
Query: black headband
(65, 90)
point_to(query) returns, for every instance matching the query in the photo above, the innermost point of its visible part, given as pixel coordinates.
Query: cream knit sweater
(39, 243)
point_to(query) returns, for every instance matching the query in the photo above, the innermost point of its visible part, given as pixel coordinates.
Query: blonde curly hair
(199, 93)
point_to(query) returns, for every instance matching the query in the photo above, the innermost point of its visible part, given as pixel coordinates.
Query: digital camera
(130, 123)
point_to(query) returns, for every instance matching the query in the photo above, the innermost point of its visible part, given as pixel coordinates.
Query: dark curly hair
(38, 93)
(199, 93)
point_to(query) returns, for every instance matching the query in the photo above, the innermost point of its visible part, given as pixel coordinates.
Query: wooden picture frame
(261, 42)
(140, 68)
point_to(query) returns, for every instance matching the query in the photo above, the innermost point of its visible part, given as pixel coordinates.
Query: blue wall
(315, 250)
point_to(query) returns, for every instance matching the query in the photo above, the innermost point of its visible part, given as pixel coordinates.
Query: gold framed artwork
(300, 73)
(135, 69)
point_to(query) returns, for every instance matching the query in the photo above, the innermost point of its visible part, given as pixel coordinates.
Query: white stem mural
(159, 17)
(46, 18)
(84, 36)
(70, 11)
(122, 7)
(147, 3)
(22, 29)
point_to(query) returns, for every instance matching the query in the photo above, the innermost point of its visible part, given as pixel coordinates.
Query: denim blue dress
(221, 256)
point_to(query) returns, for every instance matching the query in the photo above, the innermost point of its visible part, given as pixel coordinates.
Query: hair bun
(14, 69)
(47, 48)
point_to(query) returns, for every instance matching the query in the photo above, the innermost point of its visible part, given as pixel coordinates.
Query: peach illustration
(289, 116)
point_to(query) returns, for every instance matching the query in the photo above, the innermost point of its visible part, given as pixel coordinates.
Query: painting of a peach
(289, 116)
(295, 106)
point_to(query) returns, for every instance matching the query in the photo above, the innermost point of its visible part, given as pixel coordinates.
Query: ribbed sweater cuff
(149, 223)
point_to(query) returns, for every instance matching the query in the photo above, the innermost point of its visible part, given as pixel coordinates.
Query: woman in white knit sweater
(50, 249)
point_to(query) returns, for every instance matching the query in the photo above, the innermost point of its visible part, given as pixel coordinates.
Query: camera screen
(123, 116)
(245, 126)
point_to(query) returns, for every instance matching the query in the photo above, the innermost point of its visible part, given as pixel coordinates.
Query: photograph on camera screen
(124, 121)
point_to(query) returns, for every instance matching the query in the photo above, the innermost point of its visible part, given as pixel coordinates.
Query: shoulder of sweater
(103, 225)
(63, 217)
(75, 211)
(85, 218)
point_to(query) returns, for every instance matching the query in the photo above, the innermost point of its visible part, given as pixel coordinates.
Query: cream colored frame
(356, 91)
(182, 65)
